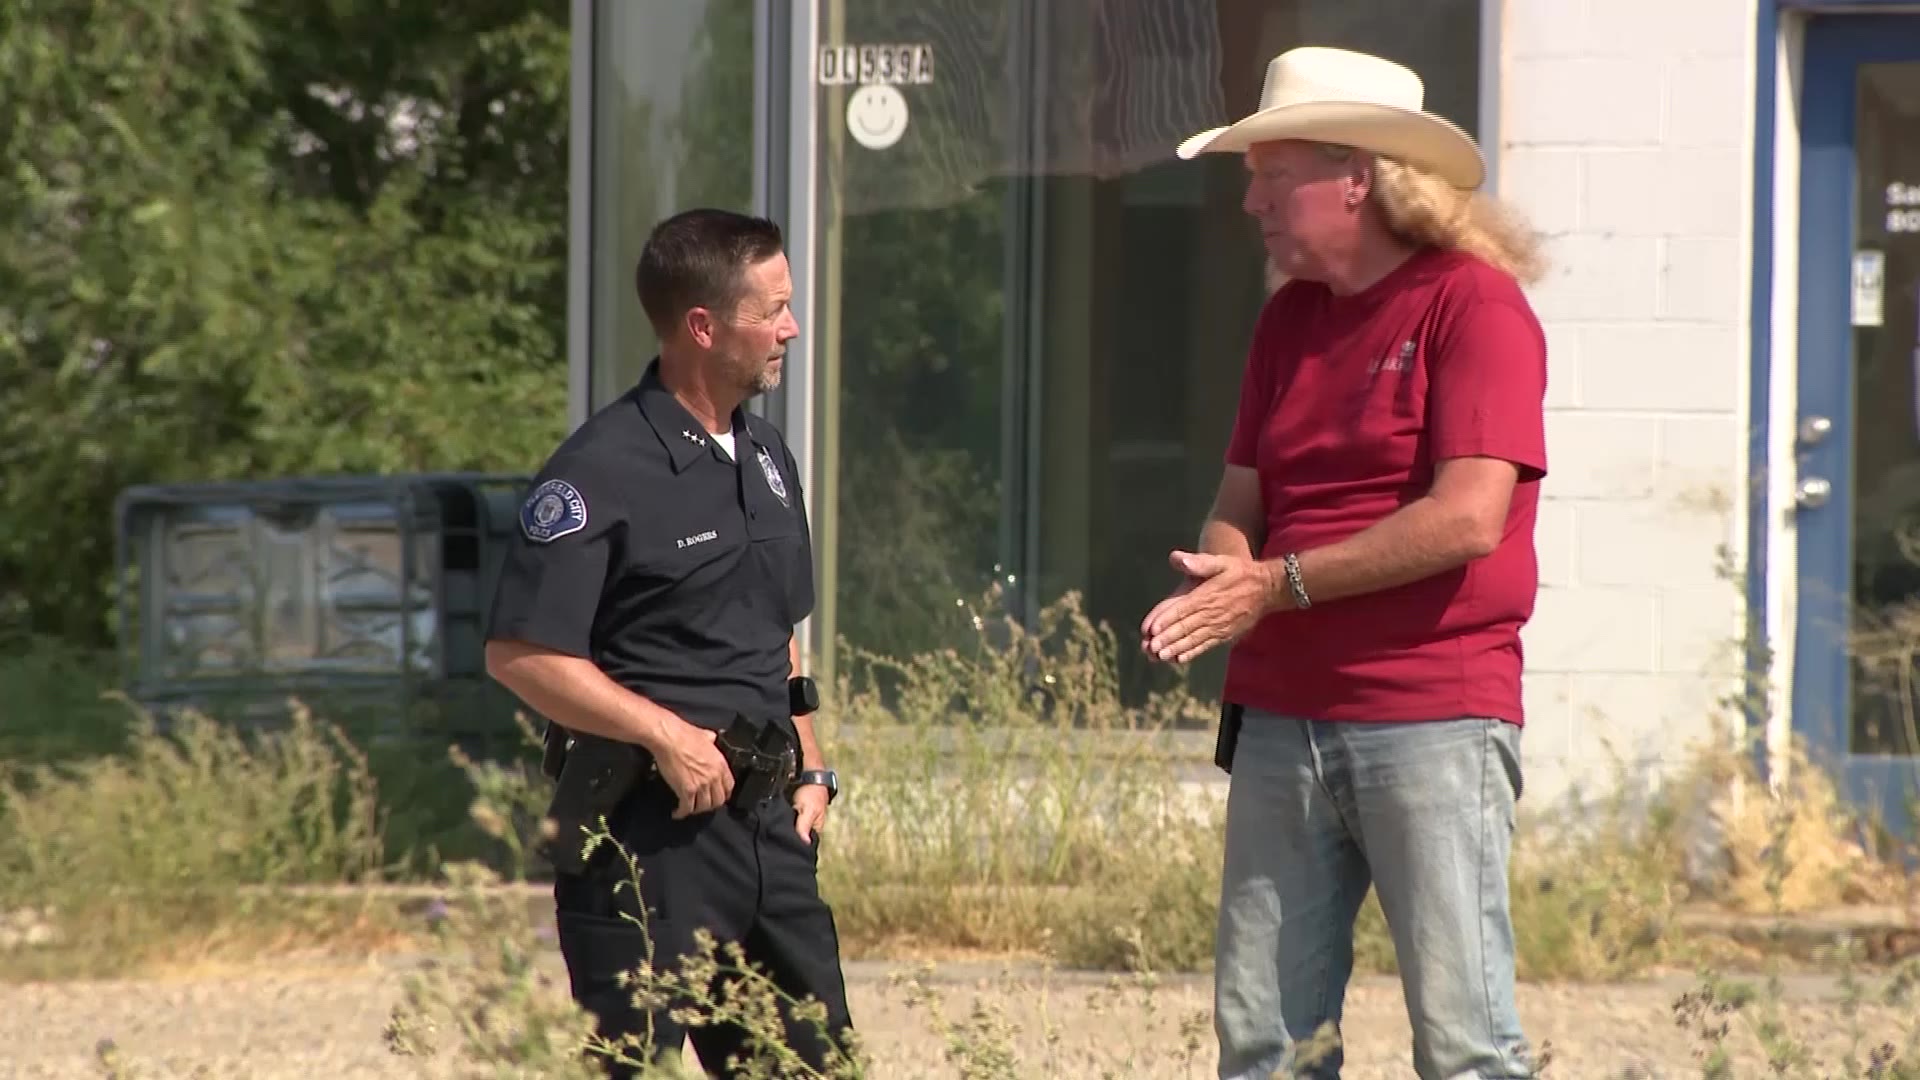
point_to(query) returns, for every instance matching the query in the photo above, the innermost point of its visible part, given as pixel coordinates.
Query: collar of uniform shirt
(685, 438)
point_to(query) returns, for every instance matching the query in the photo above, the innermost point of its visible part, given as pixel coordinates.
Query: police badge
(772, 471)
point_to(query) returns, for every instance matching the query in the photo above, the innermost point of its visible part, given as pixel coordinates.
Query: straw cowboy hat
(1350, 99)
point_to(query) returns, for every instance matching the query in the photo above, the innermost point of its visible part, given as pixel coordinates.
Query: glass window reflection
(1032, 319)
(672, 128)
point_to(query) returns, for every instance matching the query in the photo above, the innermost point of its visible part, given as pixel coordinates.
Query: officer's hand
(810, 809)
(695, 769)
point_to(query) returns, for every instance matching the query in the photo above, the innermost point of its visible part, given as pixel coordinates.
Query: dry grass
(1798, 852)
(492, 1006)
(498, 1012)
(141, 859)
(1008, 804)
(1008, 801)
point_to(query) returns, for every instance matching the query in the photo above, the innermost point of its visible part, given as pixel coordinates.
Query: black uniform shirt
(682, 574)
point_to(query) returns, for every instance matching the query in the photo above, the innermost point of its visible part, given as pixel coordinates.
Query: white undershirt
(726, 443)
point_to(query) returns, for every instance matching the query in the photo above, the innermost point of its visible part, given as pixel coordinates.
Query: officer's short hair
(695, 259)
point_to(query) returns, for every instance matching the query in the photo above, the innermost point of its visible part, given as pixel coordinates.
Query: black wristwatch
(826, 778)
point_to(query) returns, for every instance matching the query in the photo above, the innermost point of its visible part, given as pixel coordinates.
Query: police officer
(647, 608)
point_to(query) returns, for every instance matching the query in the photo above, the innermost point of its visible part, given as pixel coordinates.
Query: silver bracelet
(1294, 585)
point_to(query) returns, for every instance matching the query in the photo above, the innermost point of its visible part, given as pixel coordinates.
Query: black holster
(764, 759)
(1229, 738)
(591, 776)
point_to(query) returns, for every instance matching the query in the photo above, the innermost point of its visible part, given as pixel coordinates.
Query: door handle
(1812, 493)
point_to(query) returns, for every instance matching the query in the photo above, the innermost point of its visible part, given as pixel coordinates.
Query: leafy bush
(509, 802)
(53, 703)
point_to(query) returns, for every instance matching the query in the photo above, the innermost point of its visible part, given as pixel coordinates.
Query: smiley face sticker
(877, 116)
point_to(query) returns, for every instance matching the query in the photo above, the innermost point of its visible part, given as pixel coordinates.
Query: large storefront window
(672, 128)
(1032, 318)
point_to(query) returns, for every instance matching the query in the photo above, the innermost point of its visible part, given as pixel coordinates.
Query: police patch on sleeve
(555, 509)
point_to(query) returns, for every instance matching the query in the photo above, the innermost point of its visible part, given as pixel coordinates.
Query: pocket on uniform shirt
(787, 566)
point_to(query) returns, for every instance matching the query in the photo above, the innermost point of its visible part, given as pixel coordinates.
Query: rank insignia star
(692, 438)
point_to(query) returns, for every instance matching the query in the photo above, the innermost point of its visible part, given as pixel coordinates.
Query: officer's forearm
(810, 756)
(577, 695)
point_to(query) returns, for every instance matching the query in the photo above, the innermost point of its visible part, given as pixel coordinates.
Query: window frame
(785, 136)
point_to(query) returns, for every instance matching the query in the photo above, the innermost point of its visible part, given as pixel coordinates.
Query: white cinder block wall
(1625, 134)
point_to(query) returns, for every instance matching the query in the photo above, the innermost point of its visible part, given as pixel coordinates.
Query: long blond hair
(1421, 208)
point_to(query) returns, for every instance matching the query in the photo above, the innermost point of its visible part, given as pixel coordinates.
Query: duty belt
(764, 759)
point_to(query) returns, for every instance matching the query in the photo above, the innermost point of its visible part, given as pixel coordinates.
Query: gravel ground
(322, 1018)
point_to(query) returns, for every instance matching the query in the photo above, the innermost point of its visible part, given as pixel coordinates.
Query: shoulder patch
(555, 509)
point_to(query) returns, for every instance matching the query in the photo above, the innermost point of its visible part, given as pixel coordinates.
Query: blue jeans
(1316, 813)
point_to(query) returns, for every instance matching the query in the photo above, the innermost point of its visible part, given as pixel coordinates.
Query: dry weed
(1797, 850)
(140, 854)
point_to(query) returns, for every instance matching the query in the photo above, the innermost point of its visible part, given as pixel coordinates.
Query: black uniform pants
(744, 876)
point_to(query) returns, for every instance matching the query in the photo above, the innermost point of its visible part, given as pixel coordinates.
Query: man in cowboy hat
(1369, 556)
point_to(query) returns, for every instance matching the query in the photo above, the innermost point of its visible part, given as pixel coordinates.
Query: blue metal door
(1857, 504)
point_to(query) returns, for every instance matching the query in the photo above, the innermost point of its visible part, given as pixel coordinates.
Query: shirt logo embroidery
(697, 538)
(1394, 363)
(774, 479)
(555, 509)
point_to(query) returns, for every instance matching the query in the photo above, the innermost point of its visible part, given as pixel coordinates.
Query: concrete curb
(1884, 933)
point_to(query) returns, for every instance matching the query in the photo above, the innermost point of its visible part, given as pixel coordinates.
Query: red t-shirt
(1345, 405)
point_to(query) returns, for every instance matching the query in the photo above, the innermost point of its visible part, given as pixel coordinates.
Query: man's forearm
(577, 695)
(1231, 539)
(1419, 540)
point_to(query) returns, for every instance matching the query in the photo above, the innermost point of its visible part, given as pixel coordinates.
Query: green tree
(244, 240)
